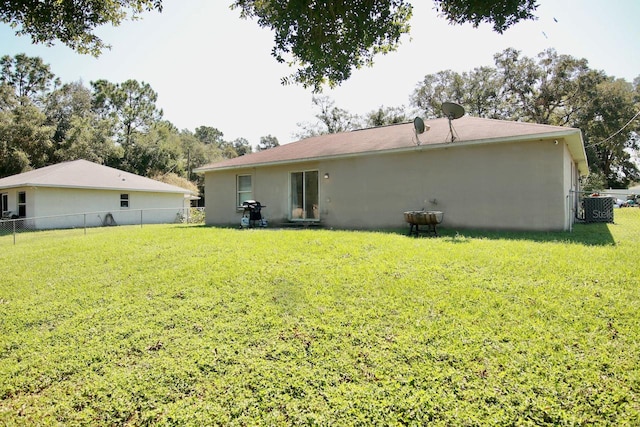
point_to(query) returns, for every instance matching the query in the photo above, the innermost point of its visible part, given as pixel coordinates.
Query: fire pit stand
(426, 218)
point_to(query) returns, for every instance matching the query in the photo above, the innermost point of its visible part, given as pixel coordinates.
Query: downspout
(569, 213)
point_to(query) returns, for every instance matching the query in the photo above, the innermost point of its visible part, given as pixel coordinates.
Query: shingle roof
(88, 175)
(402, 137)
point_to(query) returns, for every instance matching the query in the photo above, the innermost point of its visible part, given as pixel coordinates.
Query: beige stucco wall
(66, 207)
(497, 186)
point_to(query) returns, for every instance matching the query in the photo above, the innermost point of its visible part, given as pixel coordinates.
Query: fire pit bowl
(418, 218)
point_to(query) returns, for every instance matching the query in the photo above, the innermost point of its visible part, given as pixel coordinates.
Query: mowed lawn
(191, 325)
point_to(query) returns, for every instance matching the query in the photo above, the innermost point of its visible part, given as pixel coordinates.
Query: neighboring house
(622, 197)
(79, 193)
(621, 193)
(495, 175)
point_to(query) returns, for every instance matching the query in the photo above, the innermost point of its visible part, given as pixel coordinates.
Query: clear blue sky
(209, 67)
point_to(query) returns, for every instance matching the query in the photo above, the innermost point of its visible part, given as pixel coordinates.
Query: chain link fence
(601, 206)
(86, 220)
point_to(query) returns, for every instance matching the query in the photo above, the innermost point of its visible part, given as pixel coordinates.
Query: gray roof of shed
(88, 175)
(400, 137)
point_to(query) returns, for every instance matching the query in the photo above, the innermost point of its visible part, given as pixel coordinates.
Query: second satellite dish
(452, 111)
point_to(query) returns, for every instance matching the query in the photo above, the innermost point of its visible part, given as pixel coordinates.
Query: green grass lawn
(191, 325)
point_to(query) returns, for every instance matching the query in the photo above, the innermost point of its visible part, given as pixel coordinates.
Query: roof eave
(79, 187)
(572, 136)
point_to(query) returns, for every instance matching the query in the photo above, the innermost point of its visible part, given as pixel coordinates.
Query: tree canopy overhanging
(502, 14)
(324, 39)
(71, 22)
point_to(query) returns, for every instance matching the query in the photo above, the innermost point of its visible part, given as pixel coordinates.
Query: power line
(614, 134)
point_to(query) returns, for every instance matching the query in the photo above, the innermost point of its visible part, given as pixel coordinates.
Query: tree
(209, 135)
(113, 124)
(131, 104)
(241, 146)
(484, 91)
(79, 132)
(561, 82)
(267, 142)
(331, 119)
(88, 138)
(71, 22)
(30, 77)
(198, 152)
(481, 93)
(25, 139)
(326, 40)
(444, 86)
(71, 99)
(501, 13)
(610, 129)
(550, 89)
(213, 137)
(386, 116)
(155, 152)
(544, 91)
(8, 99)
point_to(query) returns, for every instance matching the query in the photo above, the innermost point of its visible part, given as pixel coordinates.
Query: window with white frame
(304, 195)
(245, 189)
(124, 200)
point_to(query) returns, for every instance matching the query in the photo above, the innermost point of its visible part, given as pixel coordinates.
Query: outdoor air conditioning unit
(598, 209)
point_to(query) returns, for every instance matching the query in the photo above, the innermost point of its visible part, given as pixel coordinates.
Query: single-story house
(82, 193)
(480, 173)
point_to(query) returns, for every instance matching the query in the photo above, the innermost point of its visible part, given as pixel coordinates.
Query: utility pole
(189, 164)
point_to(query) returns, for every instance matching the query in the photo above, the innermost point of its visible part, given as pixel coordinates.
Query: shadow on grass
(596, 234)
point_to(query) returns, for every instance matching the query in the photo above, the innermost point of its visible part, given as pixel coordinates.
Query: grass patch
(188, 325)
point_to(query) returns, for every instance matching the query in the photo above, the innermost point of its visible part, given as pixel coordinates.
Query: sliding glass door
(304, 195)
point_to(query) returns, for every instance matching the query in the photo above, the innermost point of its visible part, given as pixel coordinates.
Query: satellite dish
(419, 127)
(452, 111)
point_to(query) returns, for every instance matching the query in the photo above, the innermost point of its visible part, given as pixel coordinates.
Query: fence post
(140, 218)
(14, 232)
(85, 223)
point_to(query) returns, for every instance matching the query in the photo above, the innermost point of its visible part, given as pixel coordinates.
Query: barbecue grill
(251, 215)
(426, 218)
